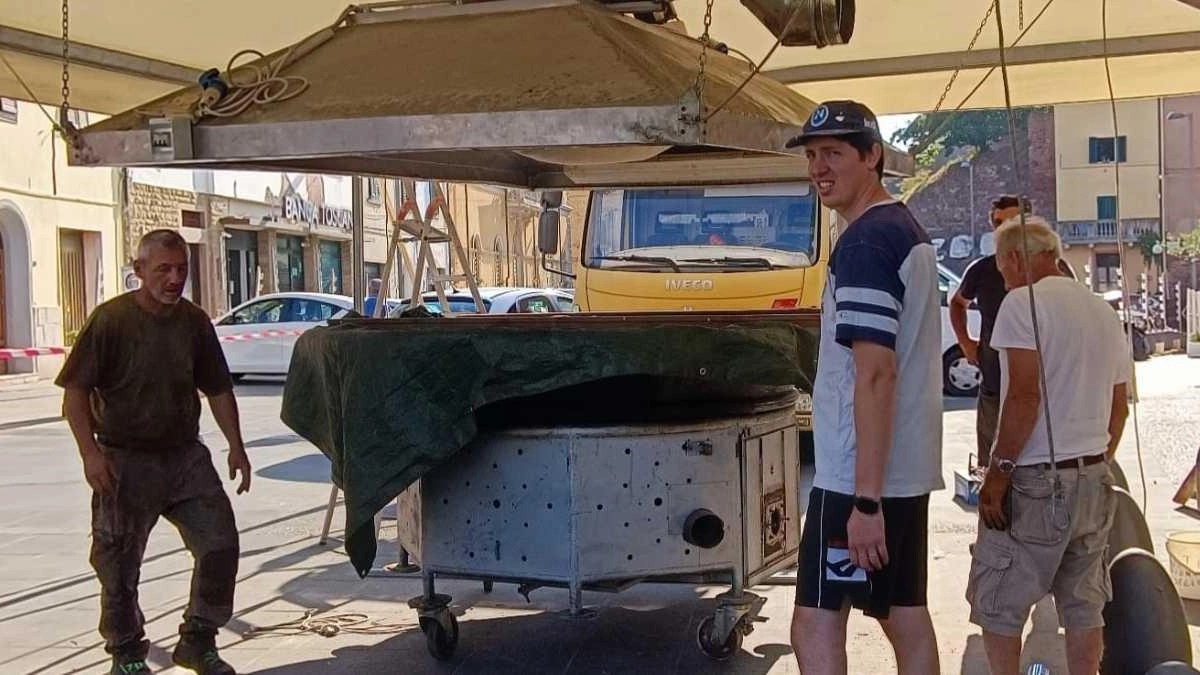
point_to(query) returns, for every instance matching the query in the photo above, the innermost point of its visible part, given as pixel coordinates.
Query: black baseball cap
(839, 118)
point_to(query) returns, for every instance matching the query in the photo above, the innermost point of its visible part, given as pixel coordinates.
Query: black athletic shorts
(826, 579)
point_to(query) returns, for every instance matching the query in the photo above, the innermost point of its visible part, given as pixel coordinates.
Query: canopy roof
(899, 59)
(473, 93)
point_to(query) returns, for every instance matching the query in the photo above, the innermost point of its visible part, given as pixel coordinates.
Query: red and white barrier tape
(242, 337)
(30, 352)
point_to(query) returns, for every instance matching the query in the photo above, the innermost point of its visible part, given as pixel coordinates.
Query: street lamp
(1191, 188)
(966, 164)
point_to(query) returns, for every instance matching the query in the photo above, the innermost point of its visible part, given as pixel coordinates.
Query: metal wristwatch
(1004, 466)
(866, 505)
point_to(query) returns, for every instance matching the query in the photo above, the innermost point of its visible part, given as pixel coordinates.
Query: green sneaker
(125, 665)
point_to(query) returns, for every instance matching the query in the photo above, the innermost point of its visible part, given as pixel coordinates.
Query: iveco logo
(689, 284)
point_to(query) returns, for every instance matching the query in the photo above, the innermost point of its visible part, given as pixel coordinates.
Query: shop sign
(297, 208)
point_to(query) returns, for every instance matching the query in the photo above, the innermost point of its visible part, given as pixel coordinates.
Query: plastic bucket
(1184, 551)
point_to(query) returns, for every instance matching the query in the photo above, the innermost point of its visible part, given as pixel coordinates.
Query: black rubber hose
(1144, 624)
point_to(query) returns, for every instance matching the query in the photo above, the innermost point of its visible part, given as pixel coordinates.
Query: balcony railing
(1104, 231)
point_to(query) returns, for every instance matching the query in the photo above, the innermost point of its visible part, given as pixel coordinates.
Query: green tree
(1185, 246)
(951, 129)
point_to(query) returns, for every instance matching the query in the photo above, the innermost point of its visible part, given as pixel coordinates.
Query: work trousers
(181, 485)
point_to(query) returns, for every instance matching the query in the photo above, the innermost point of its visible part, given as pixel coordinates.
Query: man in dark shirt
(983, 285)
(131, 384)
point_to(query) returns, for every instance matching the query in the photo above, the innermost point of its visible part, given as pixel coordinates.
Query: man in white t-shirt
(1045, 525)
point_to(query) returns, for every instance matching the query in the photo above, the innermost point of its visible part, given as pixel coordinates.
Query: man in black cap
(983, 285)
(865, 539)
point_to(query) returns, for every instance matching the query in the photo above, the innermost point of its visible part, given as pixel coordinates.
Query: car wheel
(960, 377)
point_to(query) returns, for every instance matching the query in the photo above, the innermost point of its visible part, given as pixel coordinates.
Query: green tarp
(387, 401)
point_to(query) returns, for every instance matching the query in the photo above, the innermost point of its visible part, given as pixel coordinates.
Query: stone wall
(151, 207)
(944, 207)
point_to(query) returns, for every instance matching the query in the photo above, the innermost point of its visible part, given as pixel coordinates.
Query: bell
(817, 23)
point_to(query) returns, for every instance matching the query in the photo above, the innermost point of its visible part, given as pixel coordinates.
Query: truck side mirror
(548, 223)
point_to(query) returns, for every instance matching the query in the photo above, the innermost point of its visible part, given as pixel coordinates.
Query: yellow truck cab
(697, 248)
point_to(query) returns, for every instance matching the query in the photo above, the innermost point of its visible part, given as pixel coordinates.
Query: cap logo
(820, 116)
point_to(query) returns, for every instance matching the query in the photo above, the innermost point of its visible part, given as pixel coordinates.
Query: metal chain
(954, 75)
(704, 40)
(66, 60)
(1021, 14)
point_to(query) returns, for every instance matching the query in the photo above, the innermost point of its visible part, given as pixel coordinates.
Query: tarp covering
(387, 401)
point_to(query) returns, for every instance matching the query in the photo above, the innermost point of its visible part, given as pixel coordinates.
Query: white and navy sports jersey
(882, 288)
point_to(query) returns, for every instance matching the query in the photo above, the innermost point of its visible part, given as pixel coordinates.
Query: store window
(289, 263)
(330, 255)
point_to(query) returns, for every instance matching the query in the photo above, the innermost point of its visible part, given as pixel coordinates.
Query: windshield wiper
(648, 259)
(739, 262)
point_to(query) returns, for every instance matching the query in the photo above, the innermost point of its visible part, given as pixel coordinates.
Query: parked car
(501, 300)
(261, 352)
(960, 377)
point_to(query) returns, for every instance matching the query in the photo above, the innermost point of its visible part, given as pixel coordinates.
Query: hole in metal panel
(599, 507)
(687, 551)
(549, 505)
(658, 501)
(629, 557)
(496, 503)
(627, 451)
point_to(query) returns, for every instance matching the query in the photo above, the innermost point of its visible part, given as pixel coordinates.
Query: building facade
(1088, 220)
(1181, 178)
(59, 241)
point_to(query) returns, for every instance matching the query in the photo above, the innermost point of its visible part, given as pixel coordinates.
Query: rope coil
(330, 625)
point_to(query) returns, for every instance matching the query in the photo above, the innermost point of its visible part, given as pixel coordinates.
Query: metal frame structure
(525, 139)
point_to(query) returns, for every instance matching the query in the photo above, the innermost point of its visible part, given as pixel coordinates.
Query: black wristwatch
(866, 505)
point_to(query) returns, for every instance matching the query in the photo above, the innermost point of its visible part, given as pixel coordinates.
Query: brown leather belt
(1076, 463)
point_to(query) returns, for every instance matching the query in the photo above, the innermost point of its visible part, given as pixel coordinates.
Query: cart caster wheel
(488, 586)
(709, 645)
(440, 643)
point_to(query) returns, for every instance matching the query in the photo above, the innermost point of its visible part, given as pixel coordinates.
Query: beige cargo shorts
(1051, 546)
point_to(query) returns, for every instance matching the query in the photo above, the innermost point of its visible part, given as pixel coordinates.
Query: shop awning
(899, 59)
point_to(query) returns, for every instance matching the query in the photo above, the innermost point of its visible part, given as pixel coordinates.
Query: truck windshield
(733, 229)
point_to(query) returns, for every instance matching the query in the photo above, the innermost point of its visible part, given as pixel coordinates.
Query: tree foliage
(952, 129)
(1185, 245)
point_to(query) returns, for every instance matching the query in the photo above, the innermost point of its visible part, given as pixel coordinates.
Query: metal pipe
(356, 245)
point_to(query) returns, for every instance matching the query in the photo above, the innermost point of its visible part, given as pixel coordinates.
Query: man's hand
(865, 539)
(239, 462)
(970, 349)
(992, 494)
(99, 473)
